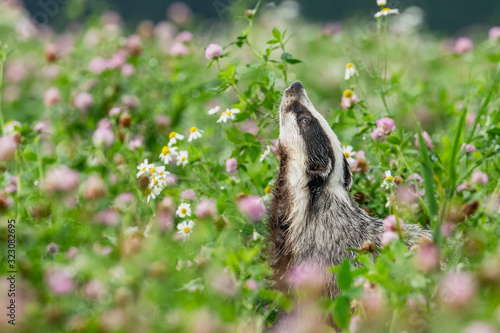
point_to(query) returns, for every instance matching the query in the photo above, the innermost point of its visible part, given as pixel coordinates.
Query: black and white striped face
(310, 144)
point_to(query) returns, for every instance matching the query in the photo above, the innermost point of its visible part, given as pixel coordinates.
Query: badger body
(312, 217)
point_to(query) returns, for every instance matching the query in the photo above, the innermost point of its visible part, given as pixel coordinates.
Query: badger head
(309, 147)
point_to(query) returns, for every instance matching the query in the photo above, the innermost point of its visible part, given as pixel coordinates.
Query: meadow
(137, 164)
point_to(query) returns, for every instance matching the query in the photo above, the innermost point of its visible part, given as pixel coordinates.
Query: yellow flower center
(349, 65)
(229, 113)
(183, 211)
(186, 230)
(193, 129)
(165, 150)
(160, 174)
(390, 178)
(386, 10)
(152, 170)
(346, 154)
(363, 127)
(268, 189)
(183, 159)
(171, 135)
(348, 93)
(143, 169)
(155, 181)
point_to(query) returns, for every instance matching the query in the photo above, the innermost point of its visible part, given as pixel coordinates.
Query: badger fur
(312, 217)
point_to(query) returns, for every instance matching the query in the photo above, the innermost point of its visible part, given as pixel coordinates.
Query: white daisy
(144, 167)
(385, 12)
(381, 3)
(265, 153)
(174, 136)
(214, 110)
(182, 157)
(349, 153)
(388, 180)
(148, 228)
(183, 210)
(155, 171)
(350, 71)
(185, 228)
(167, 154)
(195, 133)
(228, 114)
(155, 191)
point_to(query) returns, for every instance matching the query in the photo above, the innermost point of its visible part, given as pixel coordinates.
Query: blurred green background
(449, 17)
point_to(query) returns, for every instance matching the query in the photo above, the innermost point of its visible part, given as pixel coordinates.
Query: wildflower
(461, 187)
(457, 289)
(51, 97)
(265, 153)
(332, 28)
(144, 167)
(188, 194)
(350, 71)
(479, 177)
(135, 143)
(388, 180)
(386, 125)
(385, 12)
(349, 153)
(130, 102)
(468, 148)
(114, 111)
(185, 228)
(94, 289)
(179, 12)
(427, 256)
(253, 207)
(167, 154)
(231, 165)
(308, 275)
(348, 99)
(228, 114)
(184, 37)
(213, 51)
(182, 158)
(107, 217)
(195, 133)
(174, 136)
(415, 177)
(479, 327)
(94, 187)
(153, 193)
(98, 65)
(134, 44)
(494, 33)
(390, 223)
(427, 139)
(60, 281)
(214, 110)
(388, 237)
(103, 136)
(463, 45)
(128, 70)
(183, 210)
(381, 3)
(206, 208)
(72, 252)
(53, 248)
(83, 101)
(8, 147)
(61, 179)
(178, 50)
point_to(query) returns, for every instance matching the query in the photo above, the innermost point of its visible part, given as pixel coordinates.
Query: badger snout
(295, 89)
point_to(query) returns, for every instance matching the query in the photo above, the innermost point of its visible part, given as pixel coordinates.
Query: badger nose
(296, 86)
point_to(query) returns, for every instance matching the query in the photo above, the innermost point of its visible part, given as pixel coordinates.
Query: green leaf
(234, 135)
(344, 275)
(293, 61)
(48, 160)
(454, 154)
(393, 140)
(342, 311)
(30, 156)
(277, 34)
(285, 56)
(494, 131)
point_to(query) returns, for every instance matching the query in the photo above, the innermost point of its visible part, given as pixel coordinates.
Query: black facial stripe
(347, 175)
(320, 158)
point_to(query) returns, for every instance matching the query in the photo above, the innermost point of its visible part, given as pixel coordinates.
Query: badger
(312, 217)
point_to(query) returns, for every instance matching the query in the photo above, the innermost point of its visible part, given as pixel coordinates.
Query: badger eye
(304, 120)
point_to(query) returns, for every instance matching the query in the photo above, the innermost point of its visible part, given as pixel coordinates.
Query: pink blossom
(378, 134)
(213, 51)
(252, 285)
(94, 289)
(103, 137)
(188, 194)
(332, 28)
(223, 283)
(479, 326)
(53, 248)
(457, 289)
(117, 60)
(51, 72)
(72, 252)
(171, 179)
(59, 281)
(184, 37)
(415, 177)
(107, 217)
(98, 65)
(308, 275)
(206, 209)
(407, 194)
(468, 148)
(463, 45)
(390, 223)
(470, 119)
(427, 140)
(124, 199)
(83, 101)
(494, 33)
(134, 44)
(386, 125)
(51, 97)
(346, 102)
(41, 127)
(165, 220)
(8, 147)
(447, 228)
(94, 187)
(388, 237)
(461, 187)
(427, 257)
(178, 50)
(16, 72)
(135, 143)
(275, 147)
(479, 177)
(128, 70)
(179, 12)
(231, 165)
(61, 179)
(131, 102)
(252, 206)
(114, 111)
(10, 188)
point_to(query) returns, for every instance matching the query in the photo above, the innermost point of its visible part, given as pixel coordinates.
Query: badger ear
(347, 181)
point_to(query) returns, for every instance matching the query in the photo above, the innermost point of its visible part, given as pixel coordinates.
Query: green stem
(1, 86)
